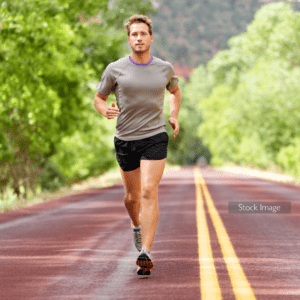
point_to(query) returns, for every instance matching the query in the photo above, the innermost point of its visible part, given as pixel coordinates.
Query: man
(141, 140)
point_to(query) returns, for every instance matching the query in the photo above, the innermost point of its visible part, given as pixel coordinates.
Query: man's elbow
(175, 90)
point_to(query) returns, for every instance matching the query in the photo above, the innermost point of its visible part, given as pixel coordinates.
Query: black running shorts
(129, 153)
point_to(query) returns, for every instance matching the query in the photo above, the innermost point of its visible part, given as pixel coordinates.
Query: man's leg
(132, 184)
(151, 174)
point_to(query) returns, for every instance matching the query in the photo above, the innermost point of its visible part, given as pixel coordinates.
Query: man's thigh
(132, 181)
(151, 172)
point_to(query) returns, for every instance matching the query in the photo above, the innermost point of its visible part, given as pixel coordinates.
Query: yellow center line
(209, 285)
(240, 284)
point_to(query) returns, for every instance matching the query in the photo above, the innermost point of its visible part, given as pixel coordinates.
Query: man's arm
(109, 112)
(174, 102)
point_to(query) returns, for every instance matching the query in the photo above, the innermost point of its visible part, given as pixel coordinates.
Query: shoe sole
(144, 262)
(143, 271)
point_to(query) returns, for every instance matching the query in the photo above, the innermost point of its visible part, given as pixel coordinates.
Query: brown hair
(138, 19)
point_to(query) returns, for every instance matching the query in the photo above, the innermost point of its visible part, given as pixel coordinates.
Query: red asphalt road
(81, 247)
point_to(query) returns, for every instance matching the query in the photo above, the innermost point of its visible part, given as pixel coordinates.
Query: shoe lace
(137, 237)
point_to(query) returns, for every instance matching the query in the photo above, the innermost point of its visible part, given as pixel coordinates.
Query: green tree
(49, 53)
(41, 85)
(217, 129)
(264, 40)
(251, 107)
(203, 26)
(288, 157)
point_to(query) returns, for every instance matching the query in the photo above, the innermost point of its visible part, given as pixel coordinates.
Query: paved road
(81, 247)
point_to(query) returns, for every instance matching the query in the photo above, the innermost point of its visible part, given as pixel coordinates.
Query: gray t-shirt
(139, 90)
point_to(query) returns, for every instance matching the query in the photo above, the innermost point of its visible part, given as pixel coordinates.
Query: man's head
(140, 35)
(139, 19)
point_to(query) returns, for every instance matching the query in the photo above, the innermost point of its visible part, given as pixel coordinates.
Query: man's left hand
(175, 126)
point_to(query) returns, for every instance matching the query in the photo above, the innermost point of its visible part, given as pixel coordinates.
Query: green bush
(82, 155)
(289, 157)
(7, 201)
(51, 178)
(89, 151)
(251, 151)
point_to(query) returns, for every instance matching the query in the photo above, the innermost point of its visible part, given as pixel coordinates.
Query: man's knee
(149, 192)
(132, 197)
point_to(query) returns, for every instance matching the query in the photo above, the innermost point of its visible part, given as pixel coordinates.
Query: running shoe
(137, 238)
(144, 259)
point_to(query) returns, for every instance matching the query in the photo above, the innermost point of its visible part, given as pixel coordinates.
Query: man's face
(139, 38)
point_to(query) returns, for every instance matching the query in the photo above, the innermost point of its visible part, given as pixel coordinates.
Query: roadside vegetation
(248, 97)
(52, 54)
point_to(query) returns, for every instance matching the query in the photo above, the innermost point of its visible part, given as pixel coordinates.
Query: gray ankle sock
(146, 250)
(136, 228)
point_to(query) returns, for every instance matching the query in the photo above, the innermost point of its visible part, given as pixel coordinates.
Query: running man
(139, 82)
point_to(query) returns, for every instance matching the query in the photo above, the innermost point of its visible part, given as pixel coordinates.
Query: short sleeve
(173, 81)
(107, 82)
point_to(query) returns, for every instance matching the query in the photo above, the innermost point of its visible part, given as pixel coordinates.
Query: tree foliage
(50, 53)
(191, 32)
(251, 114)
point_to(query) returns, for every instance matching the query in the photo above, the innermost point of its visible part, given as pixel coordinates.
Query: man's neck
(141, 58)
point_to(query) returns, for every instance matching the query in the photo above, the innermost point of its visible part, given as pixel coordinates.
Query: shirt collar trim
(148, 63)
